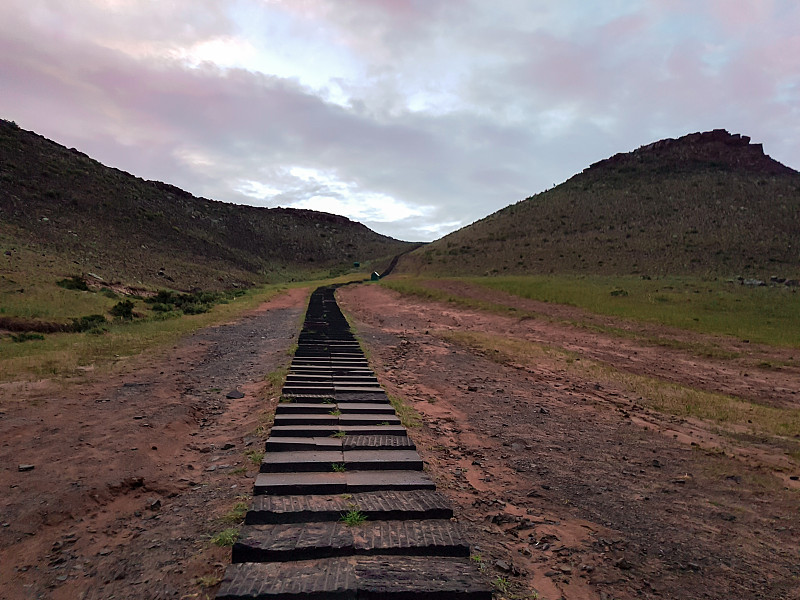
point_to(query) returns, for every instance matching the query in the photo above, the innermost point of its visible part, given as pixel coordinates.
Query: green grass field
(769, 315)
(68, 354)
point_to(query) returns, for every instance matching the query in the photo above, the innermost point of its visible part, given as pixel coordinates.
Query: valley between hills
(603, 378)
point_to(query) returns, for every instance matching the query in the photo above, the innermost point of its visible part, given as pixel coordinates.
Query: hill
(706, 204)
(63, 211)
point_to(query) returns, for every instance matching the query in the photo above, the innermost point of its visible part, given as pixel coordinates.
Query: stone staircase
(342, 507)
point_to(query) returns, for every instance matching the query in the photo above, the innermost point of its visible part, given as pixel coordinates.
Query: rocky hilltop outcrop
(717, 148)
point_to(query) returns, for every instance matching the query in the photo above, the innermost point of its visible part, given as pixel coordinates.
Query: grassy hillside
(63, 213)
(704, 204)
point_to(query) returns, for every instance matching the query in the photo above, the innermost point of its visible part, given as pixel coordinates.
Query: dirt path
(573, 489)
(133, 474)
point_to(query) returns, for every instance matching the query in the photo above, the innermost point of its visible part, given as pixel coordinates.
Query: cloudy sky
(415, 117)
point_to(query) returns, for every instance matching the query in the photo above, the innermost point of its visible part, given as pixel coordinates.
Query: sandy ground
(568, 488)
(132, 474)
(571, 489)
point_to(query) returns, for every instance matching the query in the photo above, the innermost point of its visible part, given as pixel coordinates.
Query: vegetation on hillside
(705, 204)
(61, 205)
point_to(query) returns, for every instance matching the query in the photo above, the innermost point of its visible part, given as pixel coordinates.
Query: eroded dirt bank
(132, 475)
(574, 489)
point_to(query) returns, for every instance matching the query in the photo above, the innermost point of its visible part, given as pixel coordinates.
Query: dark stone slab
(376, 506)
(362, 397)
(307, 419)
(348, 408)
(305, 408)
(373, 429)
(307, 389)
(302, 461)
(373, 481)
(279, 444)
(304, 580)
(300, 483)
(303, 430)
(304, 541)
(353, 389)
(368, 419)
(357, 578)
(420, 578)
(377, 442)
(382, 460)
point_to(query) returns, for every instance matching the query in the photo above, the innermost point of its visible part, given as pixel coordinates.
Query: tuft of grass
(501, 584)
(339, 434)
(235, 515)
(277, 377)
(338, 467)
(255, 456)
(208, 581)
(353, 518)
(408, 415)
(226, 537)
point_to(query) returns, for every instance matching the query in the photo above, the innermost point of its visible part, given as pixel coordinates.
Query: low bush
(74, 282)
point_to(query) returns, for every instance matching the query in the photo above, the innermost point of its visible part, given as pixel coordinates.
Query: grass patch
(353, 518)
(338, 467)
(339, 434)
(255, 456)
(761, 314)
(408, 415)
(62, 354)
(226, 537)
(235, 515)
(659, 395)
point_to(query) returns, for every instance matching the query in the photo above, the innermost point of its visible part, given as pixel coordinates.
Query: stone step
(368, 419)
(327, 539)
(283, 484)
(351, 389)
(323, 430)
(365, 408)
(290, 444)
(307, 388)
(358, 577)
(347, 443)
(305, 408)
(306, 419)
(385, 506)
(376, 397)
(323, 461)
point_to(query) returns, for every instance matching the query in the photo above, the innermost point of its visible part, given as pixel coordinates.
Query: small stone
(693, 566)
(565, 569)
(656, 463)
(23, 468)
(794, 477)
(623, 563)
(472, 388)
(234, 395)
(154, 504)
(228, 446)
(503, 566)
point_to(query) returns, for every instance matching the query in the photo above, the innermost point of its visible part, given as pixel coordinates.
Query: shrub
(123, 310)
(92, 323)
(25, 337)
(75, 282)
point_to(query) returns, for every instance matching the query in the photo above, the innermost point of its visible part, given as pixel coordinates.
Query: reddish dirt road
(132, 474)
(574, 490)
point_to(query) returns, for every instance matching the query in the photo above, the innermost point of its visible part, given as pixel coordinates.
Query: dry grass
(670, 398)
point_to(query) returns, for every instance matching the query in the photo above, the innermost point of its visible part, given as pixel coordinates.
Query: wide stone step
(375, 506)
(365, 408)
(304, 541)
(368, 419)
(306, 419)
(355, 578)
(352, 389)
(323, 430)
(282, 484)
(374, 397)
(347, 443)
(326, 461)
(305, 408)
